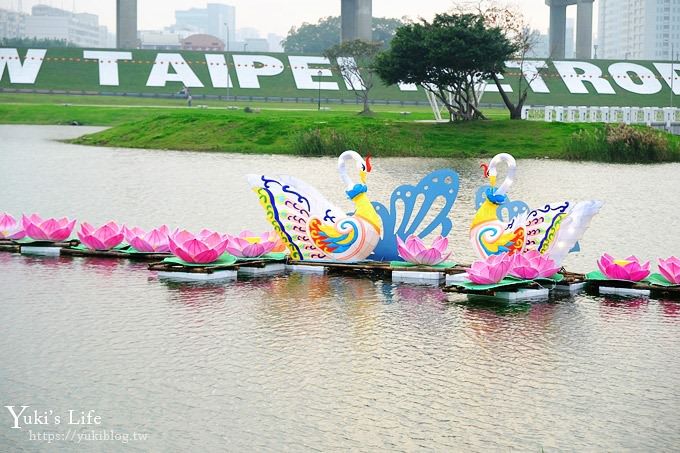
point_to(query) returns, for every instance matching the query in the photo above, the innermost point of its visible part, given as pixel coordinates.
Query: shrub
(622, 143)
(330, 142)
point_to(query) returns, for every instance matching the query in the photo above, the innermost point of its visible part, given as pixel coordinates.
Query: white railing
(651, 116)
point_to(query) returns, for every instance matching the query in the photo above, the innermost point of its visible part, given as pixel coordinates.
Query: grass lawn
(270, 131)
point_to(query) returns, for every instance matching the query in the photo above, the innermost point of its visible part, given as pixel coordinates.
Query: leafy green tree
(316, 38)
(34, 42)
(516, 29)
(354, 60)
(448, 57)
(313, 38)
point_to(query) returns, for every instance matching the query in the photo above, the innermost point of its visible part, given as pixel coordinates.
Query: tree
(448, 58)
(316, 38)
(354, 60)
(34, 42)
(516, 29)
(313, 38)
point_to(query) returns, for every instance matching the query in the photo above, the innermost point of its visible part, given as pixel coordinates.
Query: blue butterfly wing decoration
(507, 210)
(418, 217)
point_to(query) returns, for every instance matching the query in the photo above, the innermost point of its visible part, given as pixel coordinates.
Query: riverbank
(308, 132)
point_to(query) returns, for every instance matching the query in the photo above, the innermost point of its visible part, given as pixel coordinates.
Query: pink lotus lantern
(491, 270)
(105, 237)
(10, 228)
(53, 230)
(204, 248)
(415, 251)
(155, 241)
(670, 269)
(530, 265)
(280, 246)
(249, 245)
(628, 269)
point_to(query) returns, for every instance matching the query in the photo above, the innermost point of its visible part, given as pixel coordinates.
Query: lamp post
(319, 74)
(671, 48)
(227, 62)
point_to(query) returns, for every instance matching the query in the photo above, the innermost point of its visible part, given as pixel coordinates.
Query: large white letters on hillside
(250, 67)
(579, 77)
(304, 75)
(620, 73)
(351, 78)
(665, 70)
(108, 64)
(588, 73)
(492, 88)
(160, 73)
(21, 73)
(219, 73)
(531, 70)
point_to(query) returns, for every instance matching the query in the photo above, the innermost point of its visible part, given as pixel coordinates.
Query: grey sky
(274, 16)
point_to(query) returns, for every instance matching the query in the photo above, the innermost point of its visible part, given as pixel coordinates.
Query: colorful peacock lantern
(313, 228)
(501, 226)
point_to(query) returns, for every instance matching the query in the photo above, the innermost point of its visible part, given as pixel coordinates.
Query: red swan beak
(486, 169)
(368, 163)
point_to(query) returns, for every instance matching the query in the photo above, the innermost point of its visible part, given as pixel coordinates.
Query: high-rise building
(275, 42)
(215, 19)
(12, 24)
(638, 30)
(540, 47)
(80, 29)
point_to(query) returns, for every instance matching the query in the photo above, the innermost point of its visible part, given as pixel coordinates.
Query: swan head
(363, 166)
(364, 169)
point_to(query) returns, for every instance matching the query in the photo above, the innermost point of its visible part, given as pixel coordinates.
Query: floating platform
(572, 283)
(364, 267)
(43, 248)
(179, 272)
(116, 254)
(268, 268)
(528, 292)
(629, 289)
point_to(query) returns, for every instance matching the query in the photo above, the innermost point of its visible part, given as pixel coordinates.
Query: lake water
(323, 363)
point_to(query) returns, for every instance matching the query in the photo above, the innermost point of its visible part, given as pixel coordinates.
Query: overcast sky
(274, 16)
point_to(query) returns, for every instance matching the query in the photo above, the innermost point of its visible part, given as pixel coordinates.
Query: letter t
(108, 64)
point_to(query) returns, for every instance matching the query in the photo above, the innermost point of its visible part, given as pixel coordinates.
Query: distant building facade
(12, 24)
(215, 19)
(540, 45)
(638, 30)
(275, 42)
(203, 42)
(257, 45)
(160, 40)
(79, 29)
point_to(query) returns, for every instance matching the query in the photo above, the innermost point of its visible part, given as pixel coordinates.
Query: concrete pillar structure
(357, 20)
(584, 29)
(558, 23)
(558, 28)
(126, 24)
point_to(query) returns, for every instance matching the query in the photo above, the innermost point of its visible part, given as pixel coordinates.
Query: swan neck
(512, 168)
(342, 168)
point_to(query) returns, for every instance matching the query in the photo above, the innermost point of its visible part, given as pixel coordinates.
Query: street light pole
(227, 62)
(319, 74)
(672, 70)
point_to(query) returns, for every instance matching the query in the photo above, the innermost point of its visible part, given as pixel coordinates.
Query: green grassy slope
(384, 134)
(65, 69)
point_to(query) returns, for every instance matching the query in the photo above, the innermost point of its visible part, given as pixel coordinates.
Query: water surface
(303, 362)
